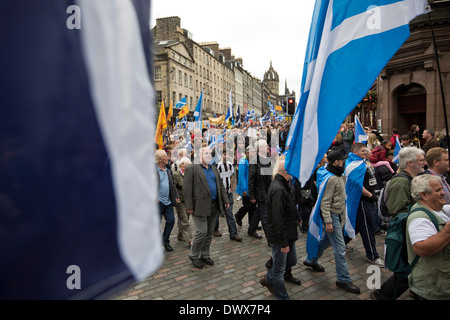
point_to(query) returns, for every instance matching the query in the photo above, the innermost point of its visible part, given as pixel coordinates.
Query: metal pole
(440, 80)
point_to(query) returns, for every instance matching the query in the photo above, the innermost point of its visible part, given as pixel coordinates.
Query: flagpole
(440, 79)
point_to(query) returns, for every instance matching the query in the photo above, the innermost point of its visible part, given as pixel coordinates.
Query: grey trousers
(204, 228)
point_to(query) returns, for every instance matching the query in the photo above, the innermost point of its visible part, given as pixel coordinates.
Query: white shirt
(421, 229)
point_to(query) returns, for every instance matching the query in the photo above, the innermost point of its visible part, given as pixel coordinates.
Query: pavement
(238, 266)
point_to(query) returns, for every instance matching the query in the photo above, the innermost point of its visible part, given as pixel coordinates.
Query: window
(157, 72)
(173, 75)
(158, 98)
(180, 77)
(185, 79)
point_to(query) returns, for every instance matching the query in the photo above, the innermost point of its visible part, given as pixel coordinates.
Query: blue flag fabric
(315, 228)
(349, 44)
(397, 149)
(198, 112)
(180, 104)
(360, 134)
(355, 169)
(78, 209)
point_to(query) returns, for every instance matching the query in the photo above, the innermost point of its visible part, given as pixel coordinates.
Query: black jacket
(281, 213)
(258, 184)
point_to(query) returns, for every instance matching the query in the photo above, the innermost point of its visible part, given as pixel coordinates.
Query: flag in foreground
(78, 218)
(349, 44)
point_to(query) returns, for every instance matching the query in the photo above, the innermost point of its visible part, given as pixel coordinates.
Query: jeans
(230, 218)
(167, 212)
(336, 240)
(281, 262)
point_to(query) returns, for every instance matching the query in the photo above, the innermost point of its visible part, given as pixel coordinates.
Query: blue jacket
(242, 185)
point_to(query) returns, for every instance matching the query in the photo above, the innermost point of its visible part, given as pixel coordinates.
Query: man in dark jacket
(281, 232)
(167, 196)
(259, 179)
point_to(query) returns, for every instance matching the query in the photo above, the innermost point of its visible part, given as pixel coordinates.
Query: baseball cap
(334, 155)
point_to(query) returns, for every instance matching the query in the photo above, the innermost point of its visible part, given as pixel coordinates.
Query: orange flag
(161, 125)
(170, 112)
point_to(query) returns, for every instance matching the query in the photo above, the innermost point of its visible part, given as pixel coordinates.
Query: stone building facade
(184, 67)
(408, 88)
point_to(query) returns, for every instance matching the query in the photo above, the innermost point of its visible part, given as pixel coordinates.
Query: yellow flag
(183, 112)
(170, 112)
(161, 125)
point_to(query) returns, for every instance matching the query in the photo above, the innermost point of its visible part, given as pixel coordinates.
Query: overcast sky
(258, 31)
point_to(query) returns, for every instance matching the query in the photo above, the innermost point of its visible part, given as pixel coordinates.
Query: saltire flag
(349, 44)
(315, 228)
(229, 116)
(249, 115)
(360, 134)
(265, 118)
(170, 112)
(198, 113)
(160, 126)
(355, 169)
(271, 106)
(181, 104)
(397, 149)
(79, 216)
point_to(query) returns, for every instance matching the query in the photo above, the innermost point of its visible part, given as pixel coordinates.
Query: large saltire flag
(360, 134)
(79, 216)
(349, 44)
(355, 169)
(160, 126)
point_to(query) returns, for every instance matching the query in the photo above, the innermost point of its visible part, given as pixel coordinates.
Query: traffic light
(290, 106)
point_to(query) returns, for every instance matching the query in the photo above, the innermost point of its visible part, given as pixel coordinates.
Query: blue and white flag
(180, 104)
(198, 113)
(355, 169)
(397, 149)
(315, 229)
(349, 44)
(229, 116)
(78, 194)
(249, 115)
(360, 134)
(265, 118)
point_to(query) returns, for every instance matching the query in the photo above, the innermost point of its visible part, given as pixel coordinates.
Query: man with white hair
(204, 197)
(281, 233)
(411, 163)
(259, 179)
(167, 196)
(428, 237)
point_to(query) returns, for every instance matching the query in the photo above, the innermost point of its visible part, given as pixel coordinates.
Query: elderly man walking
(204, 197)
(428, 237)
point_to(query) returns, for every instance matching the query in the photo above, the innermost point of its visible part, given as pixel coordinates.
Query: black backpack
(383, 212)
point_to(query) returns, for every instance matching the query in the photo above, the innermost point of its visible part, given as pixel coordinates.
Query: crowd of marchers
(198, 182)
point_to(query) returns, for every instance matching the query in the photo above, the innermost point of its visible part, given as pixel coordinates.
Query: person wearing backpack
(399, 200)
(428, 237)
